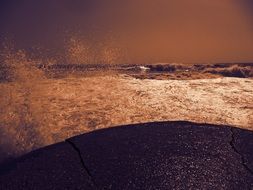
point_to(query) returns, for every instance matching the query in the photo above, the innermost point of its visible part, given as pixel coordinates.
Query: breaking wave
(38, 108)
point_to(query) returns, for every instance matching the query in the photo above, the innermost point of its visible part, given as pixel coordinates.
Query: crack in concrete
(82, 162)
(232, 144)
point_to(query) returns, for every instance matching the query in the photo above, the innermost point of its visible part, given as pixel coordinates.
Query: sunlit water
(35, 114)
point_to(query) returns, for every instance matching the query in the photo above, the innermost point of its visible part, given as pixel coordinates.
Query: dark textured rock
(165, 155)
(243, 144)
(54, 167)
(175, 155)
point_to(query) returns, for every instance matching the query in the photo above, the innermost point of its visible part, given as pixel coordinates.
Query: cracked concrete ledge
(160, 155)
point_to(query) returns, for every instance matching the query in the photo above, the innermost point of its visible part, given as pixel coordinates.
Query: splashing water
(18, 120)
(82, 51)
(38, 111)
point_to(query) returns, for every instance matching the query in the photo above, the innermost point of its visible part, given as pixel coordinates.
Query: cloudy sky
(159, 30)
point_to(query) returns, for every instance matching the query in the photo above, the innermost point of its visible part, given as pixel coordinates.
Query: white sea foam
(55, 109)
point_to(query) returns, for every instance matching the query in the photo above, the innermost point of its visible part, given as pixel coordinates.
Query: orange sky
(192, 31)
(159, 30)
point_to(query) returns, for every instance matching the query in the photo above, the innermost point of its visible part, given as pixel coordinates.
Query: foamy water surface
(38, 113)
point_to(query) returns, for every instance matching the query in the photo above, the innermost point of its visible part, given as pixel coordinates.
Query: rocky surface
(165, 155)
(55, 167)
